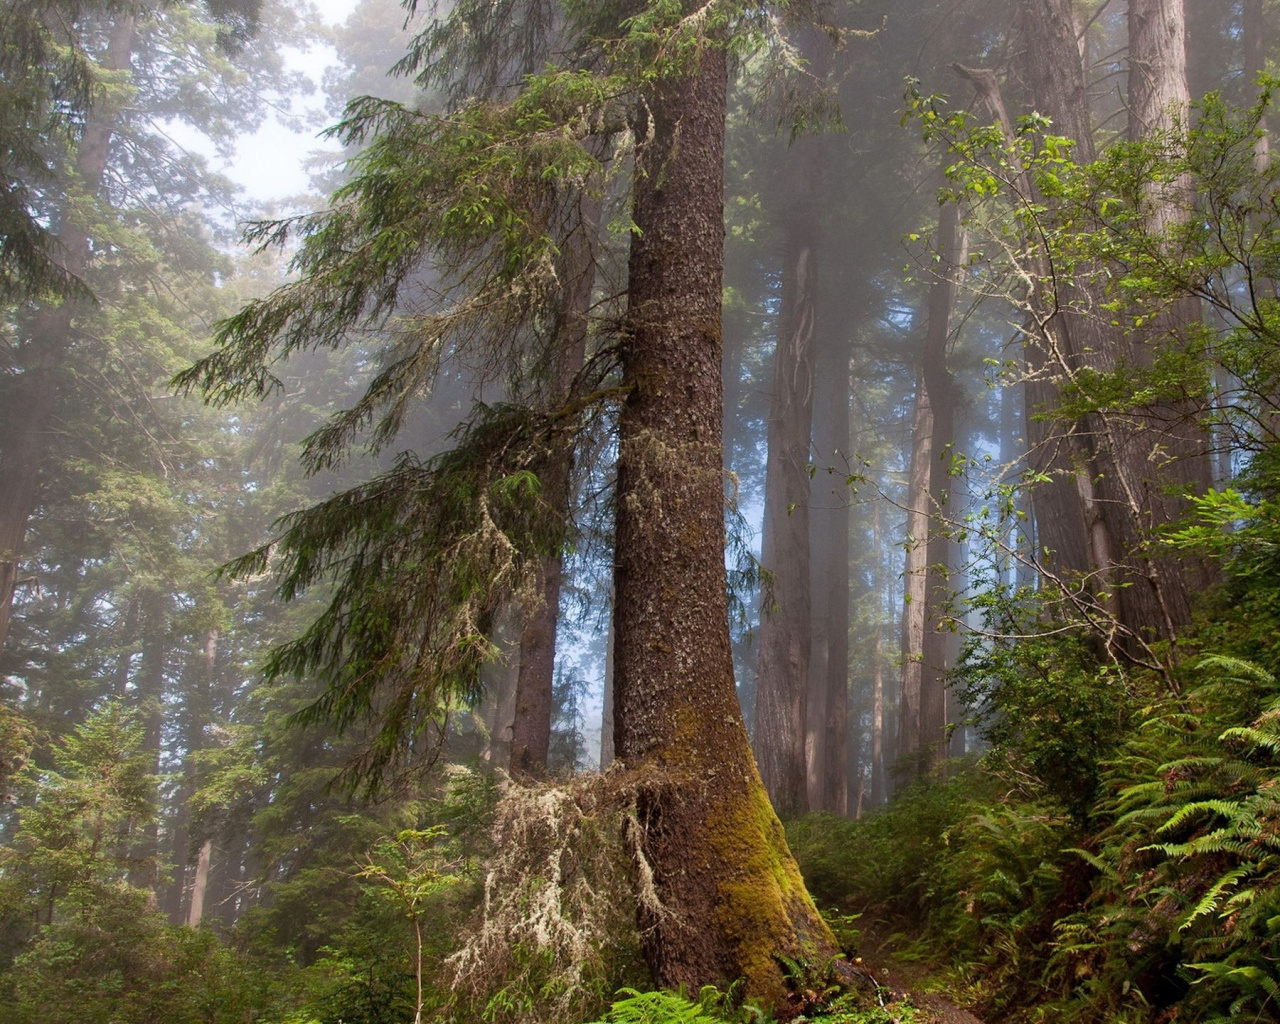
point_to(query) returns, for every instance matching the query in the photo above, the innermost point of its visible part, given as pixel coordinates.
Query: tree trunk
(829, 561)
(196, 714)
(781, 717)
(1255, 62)
(498, 680)
(606, 711)
(40, 358)
(531, 732)
(915, 581)
(939, 551)
(720, 894)
(1159, 95)
(200, 884)
(1162, 451)
(879, 777)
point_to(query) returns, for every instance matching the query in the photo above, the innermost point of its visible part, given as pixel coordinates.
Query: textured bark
(781, 715)
(704, 834)
(915, 578)
(1159, 95)
(939, 551)
(31, 406)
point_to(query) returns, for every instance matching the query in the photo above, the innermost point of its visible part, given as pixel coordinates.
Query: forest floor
(912, 982)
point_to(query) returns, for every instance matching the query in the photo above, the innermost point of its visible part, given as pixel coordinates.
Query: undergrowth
(1161, 902)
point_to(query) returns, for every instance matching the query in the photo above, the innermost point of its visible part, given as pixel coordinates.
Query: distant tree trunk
(531, 735)
(828, 727)
(915, 580)
(879, 791)
(196, 714)
(1255, 62)
(606, 711)
(498, 680)
(200, 884)
(149, 687)
(1164, 451)
(718, 858)
(939, 551)
(40, 356)
(781, 716)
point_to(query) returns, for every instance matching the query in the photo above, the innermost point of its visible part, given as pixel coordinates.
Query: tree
(781, 716)
(425, 555)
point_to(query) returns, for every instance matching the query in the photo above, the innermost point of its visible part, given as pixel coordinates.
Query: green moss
(764, 896)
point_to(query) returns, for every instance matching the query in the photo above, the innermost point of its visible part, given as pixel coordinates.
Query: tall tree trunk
(1255, 62)
(1163, 451)
(915, 580)
(828, 744)
(200, 884)
(498, 680)
(531, 732)
(41, 356)
(606, 711)
(720, 893)
(781, 716)
(939, 551)
(197, 713)
(149, 688)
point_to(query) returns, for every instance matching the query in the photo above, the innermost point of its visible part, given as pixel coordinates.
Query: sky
(270, 164)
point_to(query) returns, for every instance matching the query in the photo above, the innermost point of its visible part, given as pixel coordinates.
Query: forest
(698, 511)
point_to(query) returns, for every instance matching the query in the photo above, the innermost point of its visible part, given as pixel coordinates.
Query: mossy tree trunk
(720, 892)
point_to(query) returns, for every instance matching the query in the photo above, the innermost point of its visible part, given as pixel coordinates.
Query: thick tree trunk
(1159, 95)
(26, 423)
(781, 716)
(720, 894)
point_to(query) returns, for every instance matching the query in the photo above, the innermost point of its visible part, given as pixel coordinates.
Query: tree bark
(781, 716)
(1255, 62)
(32, 405)
(720, 894)
(498, 679)
(606, 711)
(828, 744)
(200, 884)
(915, 580)
(531, 732)
(939, 551)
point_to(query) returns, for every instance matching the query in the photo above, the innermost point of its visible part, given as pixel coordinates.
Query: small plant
(408, 868)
